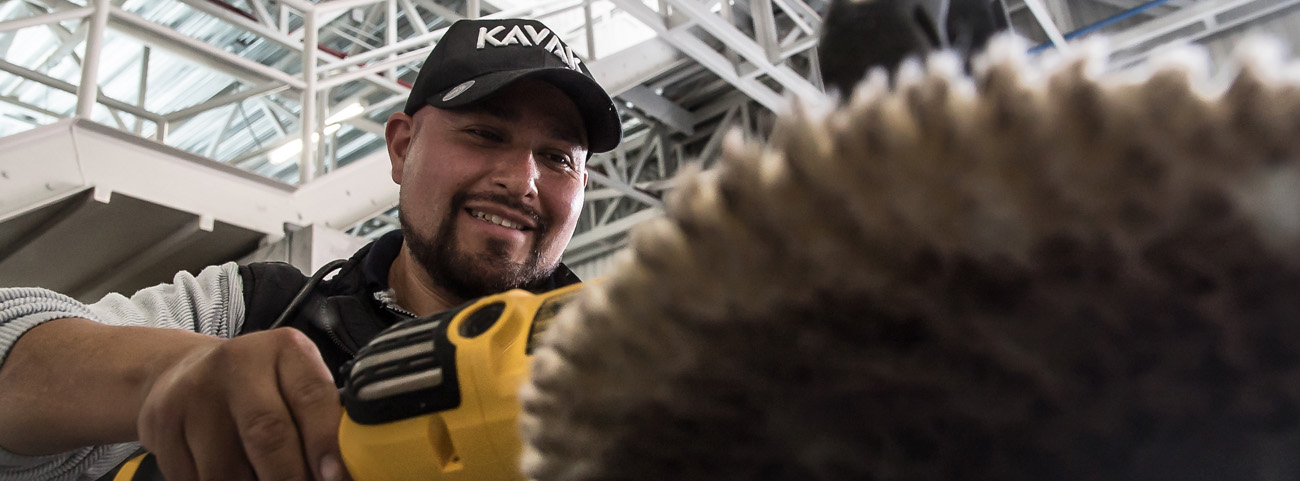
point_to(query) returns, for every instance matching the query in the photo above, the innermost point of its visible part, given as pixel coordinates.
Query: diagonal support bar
(59, 16)
(695, 48)
(750, 50)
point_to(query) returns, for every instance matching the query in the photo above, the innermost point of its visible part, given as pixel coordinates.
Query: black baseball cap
(476, 58)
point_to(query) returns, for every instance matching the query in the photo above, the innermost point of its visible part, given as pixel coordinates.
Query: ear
(397, 135)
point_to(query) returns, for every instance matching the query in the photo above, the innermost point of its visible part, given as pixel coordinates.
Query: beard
(468, 275)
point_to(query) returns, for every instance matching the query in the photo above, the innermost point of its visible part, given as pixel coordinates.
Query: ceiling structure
(232, 80)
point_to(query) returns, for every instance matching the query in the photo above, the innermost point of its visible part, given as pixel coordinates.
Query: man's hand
(261, 406)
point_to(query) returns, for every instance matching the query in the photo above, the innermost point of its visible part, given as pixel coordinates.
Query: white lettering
(533, 37)
(489, 36)
(554, 46)
(537, 36)
(517, 36)
(573, 59)
(559, 49)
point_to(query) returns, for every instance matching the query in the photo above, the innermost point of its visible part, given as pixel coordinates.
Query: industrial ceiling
(232, 80)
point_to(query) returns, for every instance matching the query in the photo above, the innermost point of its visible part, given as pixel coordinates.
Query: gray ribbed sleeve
(211, 303)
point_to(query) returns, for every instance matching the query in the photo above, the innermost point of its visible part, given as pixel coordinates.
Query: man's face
(490, 194)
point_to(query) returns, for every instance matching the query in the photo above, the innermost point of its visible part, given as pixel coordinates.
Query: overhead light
(287, 152)
(352, 110)
(284, 152)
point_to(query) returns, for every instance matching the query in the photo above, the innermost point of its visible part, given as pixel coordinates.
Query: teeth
(497, 220)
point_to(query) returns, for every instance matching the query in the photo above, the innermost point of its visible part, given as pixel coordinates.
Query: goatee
(470, 275)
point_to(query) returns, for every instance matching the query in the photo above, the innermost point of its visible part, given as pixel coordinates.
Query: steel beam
(142, 88)
(307, 121)
(390, 30)
(574, 259)
(215, 102)
(660, 109)
(1212, 26)
(68, 42)
(266, 32)
(89, 88)
(1059, 12)
(72, 89)
(361, 73)
(636, 65)
(719, 132)
(413, 17)
(537, 10)
(199, 52)
(613, 228)
(259, 11)
(1201, 12)
(740, 43)
(702, 53)
(606, 193)
(765, 28)
(627, 190)
(803, 16)
(1045, 20)
(17, 102)
(54, 17)
(336, 5)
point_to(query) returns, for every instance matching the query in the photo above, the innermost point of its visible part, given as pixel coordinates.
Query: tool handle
(143, 467)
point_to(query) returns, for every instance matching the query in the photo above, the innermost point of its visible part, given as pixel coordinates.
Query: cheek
(565, 207)
(427, 193)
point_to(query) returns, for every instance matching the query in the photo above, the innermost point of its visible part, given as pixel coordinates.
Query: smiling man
(490, 153)
(494, 141)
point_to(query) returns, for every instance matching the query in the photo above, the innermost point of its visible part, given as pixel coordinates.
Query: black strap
(269, 287)
(306, 290)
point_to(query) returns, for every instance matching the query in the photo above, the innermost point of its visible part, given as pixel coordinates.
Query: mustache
(460, 199)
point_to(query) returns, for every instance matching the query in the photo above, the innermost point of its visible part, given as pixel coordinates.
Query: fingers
(161, 429)
(262, 407)
(174, 460)
(270, 441)
(308, 389)
(289, 420)
(218, 454)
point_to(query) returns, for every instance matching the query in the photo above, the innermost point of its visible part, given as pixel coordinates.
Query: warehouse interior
(143, 137)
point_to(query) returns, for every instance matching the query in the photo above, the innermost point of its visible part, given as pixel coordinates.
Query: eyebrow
(558, 130)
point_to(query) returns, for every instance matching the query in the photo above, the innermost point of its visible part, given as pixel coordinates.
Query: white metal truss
(245, 82)
(741, 58)
(291, 70)
(1196, 22)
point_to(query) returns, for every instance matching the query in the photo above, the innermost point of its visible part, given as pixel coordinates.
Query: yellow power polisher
(435, 398)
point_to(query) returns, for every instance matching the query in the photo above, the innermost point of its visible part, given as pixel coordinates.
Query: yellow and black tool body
(435, 398)
(409, 419)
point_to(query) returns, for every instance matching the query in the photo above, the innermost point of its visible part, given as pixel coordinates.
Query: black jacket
(340, 314)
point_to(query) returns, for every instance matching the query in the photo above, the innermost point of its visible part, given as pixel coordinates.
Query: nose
(516, 173)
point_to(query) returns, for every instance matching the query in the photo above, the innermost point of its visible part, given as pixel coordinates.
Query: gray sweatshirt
(211, 303)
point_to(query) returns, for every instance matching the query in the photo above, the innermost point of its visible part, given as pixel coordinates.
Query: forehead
(534, 102)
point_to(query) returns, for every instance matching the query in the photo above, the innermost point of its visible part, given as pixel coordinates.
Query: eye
(485, 134)
(559, 160)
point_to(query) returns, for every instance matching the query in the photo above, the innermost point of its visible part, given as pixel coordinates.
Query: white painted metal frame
(316, 74)
(1190, 24)
(618, 178)
(762, 56)
(762, 48)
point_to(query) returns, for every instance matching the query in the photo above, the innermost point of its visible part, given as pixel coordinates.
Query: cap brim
(604, 128)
